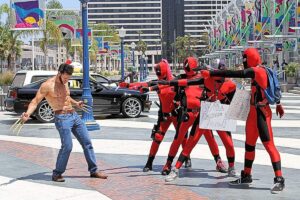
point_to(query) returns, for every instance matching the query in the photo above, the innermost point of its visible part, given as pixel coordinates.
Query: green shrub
(292, 69)
(6, 78)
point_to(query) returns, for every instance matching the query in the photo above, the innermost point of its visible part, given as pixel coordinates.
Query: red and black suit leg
(264, 117)
(158, 136)
(213, 146)
(251, 138)
(195, 135)
(228, 143)
(179, 136)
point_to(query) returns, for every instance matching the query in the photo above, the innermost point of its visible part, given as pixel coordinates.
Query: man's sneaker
(188, 164)
(221, 167)
(58, 178)
(166, 169)
(231, 172)
(245, 179)
(147, 168)
(172, 176)
(278, 185)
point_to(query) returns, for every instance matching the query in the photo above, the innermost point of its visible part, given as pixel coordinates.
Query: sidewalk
(37, 162)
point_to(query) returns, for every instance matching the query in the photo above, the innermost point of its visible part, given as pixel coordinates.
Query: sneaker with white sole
(188, 164)
(172, 176)
(245, 179)
(221, 167)
(231, 172)
(278, 185)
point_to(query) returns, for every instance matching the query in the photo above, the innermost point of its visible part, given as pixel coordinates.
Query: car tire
(33, 117)
(44, 112)
(131, 107)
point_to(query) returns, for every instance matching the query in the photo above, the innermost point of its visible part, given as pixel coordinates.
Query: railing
(281, 72)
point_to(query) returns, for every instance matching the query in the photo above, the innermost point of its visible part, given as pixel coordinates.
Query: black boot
(245, 179)
(188, 163)
(166, 169)
(278, 185)
(148, 166)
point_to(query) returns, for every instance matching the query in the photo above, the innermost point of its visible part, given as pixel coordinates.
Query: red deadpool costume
(189, 115)
(258, 123)
(166, 113)
(214, 89)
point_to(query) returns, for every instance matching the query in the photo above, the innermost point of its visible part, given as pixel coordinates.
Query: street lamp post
(146, 67)
(142, 67)
(87, 98)
(122, 33)
(133, 45)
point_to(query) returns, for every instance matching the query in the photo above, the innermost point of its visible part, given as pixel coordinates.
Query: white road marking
(138, 147)
(13, 189)
(275, 123)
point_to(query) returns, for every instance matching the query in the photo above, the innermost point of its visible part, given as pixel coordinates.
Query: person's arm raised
(40, 95)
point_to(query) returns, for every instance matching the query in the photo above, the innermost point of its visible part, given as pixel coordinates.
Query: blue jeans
(65, 124)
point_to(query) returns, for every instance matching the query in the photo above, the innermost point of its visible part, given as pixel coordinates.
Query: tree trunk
(9, 62)
(46, 59)
(13, 62)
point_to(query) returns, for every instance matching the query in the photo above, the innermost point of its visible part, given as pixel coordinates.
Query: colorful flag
(258, 18)
(99, 41)
(291, 15)
(266, 17)
(67, 25)
(279, 7)
(77, 41)
(27, 15)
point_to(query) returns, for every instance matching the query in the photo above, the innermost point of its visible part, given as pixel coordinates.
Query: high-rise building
(172, 25)
(140, 18)
(154, 21)
(198, 15)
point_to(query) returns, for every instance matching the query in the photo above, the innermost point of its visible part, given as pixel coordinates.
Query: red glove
(205, 74)
(123, 85)
(279, 110)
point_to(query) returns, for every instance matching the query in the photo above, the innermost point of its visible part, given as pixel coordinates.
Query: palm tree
(4, 8)
(183, 47)
(109, 33)
(51, 35)
(14, 46)
(10, 47)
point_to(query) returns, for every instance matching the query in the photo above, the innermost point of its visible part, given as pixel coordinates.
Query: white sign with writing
(213, 117)
(240, 105)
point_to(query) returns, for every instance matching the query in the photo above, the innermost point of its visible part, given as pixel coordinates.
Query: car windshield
(37, 78)
(99, 78)
(77, 83)
(18, 80)
(36, 83)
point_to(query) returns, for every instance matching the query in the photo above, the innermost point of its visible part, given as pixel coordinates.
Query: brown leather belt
(58, 112)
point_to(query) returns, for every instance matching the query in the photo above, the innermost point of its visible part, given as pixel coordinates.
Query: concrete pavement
(121, 148)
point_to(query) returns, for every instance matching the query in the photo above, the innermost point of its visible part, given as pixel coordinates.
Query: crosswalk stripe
(287, 111)
(275, 123)
(15, 189)
(139, 147)
(286, 142)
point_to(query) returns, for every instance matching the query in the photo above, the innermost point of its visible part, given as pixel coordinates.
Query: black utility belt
(167, 114)
(193, 110)
(259, 105)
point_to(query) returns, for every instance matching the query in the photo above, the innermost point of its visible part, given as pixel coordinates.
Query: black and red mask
(162, 70)
(189, 65)
(251, 58)
(158, 70)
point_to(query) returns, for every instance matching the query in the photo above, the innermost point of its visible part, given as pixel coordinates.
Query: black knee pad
(249, 148)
